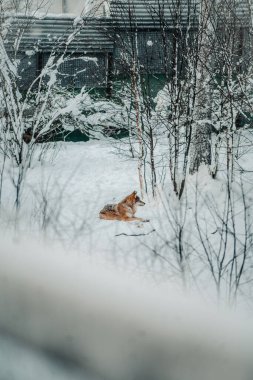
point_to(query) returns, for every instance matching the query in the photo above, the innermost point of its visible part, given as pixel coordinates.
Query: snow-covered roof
(92, 34)
(75, 34)
(145, 13)
(149, 12)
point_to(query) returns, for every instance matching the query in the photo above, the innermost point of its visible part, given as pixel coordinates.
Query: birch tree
(201, 144)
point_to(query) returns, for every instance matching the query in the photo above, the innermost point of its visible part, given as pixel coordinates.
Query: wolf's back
(108, 208)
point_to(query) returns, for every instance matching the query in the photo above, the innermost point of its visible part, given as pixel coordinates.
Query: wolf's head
(137, 199)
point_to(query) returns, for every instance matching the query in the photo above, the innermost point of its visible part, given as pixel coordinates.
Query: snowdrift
(61, 310)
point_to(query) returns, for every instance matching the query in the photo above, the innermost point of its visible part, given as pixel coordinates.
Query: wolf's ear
(134, 193)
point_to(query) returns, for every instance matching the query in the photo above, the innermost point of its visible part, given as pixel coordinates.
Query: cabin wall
(27, 70)
(90, 69)
(150, 52)
(77, 71)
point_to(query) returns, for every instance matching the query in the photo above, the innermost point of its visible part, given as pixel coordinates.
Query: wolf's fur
(124, 210)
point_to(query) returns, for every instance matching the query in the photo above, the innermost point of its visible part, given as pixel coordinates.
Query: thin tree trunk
(138, 127)
(201, 145)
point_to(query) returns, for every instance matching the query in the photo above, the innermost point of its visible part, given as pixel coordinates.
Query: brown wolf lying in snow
(124, 210)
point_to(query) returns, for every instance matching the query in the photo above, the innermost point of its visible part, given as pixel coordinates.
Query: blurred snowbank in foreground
(67, 315)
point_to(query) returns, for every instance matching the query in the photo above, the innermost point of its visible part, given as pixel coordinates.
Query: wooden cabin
(106, 38)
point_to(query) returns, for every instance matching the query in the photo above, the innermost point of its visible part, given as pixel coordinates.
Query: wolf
(124, 210)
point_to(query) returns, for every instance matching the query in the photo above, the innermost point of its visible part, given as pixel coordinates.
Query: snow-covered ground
(55, 267)
(64, 193)
(62, 317)
(65, 190)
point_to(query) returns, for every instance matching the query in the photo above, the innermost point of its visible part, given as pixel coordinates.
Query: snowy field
(64, 191)
(82, 279)
(65, 318)
(77, 181)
